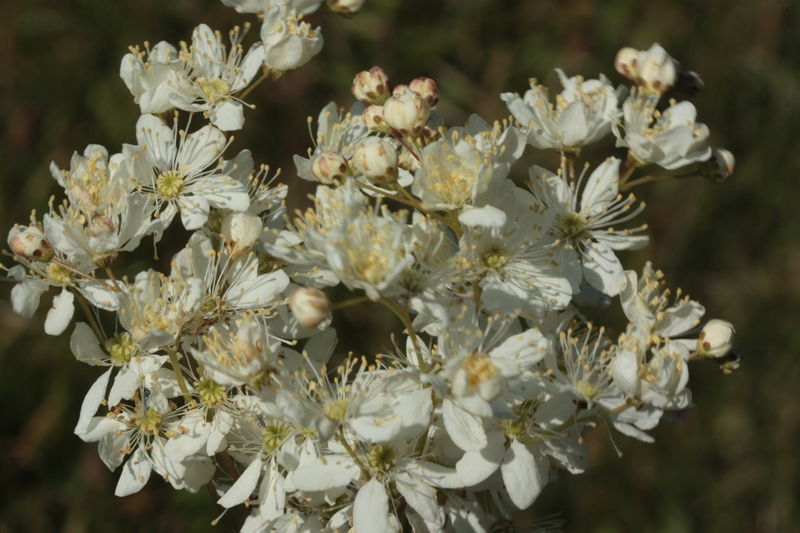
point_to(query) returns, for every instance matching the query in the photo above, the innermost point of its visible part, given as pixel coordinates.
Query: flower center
(336, 409)
(495, 258)
(274, 434)
(148, 422)
(383, 456)
(58, 274)
(214, 89)
(121, 348)
(169, 184)
(211, 392)
(480, 369)
(572, 224)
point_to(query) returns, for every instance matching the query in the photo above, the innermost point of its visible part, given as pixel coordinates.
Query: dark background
(732, 466)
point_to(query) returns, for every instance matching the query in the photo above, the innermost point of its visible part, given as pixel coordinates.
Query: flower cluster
(225, 368)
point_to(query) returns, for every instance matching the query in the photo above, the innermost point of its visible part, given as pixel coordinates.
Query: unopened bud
(407, 113)
(399, 89)
(373, 118)
(653, 70)
(32, 244)
(626, 63)
(240, 232)
(330, 167)
(716, 339)
(371, 86)
(377, 160)
(426, 88)
(719, 167)
(345, 7)
(310, 306)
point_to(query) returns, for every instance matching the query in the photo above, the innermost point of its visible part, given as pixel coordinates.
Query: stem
(351, 452)
(173, 359)
(253, 86)
(113, 279)
(628, 167)
(347, 303)
(402, 141)
(89, 316)
(402, 314)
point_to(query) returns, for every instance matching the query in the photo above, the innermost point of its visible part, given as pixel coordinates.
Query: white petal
(680, 318)
(93, 399)
(259, 292)
(520, 475)
(60, 315)
(625, 371)
(194, 211)
(85, 346)
(602, 186)
(192, 437)
(602, 269)
(25, 296)
(125, 386)
(465, 429)
(486, 216)
(135, 474)
(572, 125)
(228, 116)
(420, 496)
(244, 486)
(325, 473)
(474, 467)
(371, 508)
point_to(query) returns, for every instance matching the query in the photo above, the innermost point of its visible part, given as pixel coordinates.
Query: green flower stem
(351, 452)
(89, 316)
(113, 279)
(402, 314)
(173, 359)
(349, 303)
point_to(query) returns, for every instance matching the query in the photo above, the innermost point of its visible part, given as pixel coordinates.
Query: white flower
(259, 6)
(671, 139)
(335, 133)
(212, 75)
(369, 252)
(288, 42)
(151, 80)
(178, 170)
(583, 113)
(515, 262)
(716, 339)
(104, 214)
(585, 225)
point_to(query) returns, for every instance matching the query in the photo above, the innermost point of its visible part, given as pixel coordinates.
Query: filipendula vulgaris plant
(217, 372)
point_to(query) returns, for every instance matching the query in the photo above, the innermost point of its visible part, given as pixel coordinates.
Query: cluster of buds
(653, 70)
(405, 109)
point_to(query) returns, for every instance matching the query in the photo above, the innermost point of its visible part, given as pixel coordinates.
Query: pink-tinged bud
(626, 63)
(719, 167)
(407, 113)
(377, 160)
(653, 70)
(329, 167)
(716, 339)
(240, 231)
(32, 244)
(371, 86)
(399, 89)
(426, 88)
(345, 7)
(373, 118)
(310, 307)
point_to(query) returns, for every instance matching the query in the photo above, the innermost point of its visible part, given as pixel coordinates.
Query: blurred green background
(732, 466)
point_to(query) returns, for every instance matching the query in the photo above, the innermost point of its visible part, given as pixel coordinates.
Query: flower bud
(240, 231)
(373, 118)
(32, 244)
(329, 167)
(407, 113)
(719, 167)
(371, 86)
(716, 339)
(345, 7)
(377, 160)
(310, 306)
(399, 89)
(625, 63)
(426, 88)
(653, 70)
(657, 70)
